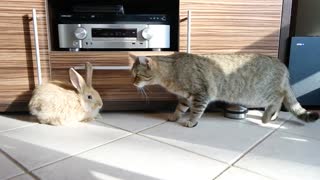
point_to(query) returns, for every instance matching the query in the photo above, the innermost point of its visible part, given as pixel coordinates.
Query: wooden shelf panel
(232, 26)
(62, 60)
(18, 74)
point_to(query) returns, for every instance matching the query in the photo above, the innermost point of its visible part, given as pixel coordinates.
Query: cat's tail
(292, 105)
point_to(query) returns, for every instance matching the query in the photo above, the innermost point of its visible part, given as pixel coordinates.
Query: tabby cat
(252, 80)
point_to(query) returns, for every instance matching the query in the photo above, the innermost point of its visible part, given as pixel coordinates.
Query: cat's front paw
(190, 124)
(265, 120)
(173, 117)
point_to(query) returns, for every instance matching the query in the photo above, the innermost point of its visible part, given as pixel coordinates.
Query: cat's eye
(89, 97)
(142, 76)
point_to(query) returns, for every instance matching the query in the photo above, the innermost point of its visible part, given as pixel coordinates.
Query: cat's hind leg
(272, 111)
(199, 104)
(181, 108)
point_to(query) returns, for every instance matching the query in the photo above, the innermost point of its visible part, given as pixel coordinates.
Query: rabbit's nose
(100, 105)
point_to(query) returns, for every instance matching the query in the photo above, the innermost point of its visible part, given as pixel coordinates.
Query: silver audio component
(80, 33)
(114, 36)
(147, 34)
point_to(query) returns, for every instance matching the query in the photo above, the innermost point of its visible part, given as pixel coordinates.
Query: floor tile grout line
(16, 128)
(80, 152)
(135, 132)
(259, 141)
(104, 123)
(186, 150)
(251, 148)
(244, 169)
(247, 151)
(17, 163)
(151, 127)
(27, 173)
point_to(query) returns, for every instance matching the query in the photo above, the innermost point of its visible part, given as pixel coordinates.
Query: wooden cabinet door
(17, 55)
(232, 25)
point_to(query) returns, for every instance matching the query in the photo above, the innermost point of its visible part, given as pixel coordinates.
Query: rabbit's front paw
(87, 119)
(98, 117)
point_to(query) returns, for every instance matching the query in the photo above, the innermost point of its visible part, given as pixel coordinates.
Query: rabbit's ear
(89, 72)
(77, 80)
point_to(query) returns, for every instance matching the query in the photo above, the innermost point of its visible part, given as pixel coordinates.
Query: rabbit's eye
(89, 97)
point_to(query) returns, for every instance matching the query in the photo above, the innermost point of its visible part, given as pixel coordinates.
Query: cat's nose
(138, 85)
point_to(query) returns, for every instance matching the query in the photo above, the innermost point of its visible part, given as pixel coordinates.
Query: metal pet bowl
(235, 112)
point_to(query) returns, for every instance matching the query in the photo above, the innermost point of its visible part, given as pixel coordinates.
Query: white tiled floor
(39, 145)
(235, 173)
(215, 137)
(133, 122)
(145, 146)
(8, 168)
(285, 156)
(22, 177)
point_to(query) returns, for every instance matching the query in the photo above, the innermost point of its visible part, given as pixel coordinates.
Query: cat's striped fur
(249, 79)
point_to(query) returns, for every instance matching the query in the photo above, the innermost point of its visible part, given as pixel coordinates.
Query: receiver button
(80, 33)
(147, 34)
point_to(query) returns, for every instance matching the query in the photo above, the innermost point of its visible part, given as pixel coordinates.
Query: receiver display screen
(113, 33)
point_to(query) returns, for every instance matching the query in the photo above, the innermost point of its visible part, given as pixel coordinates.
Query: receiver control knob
(147, 34)
(80, 33)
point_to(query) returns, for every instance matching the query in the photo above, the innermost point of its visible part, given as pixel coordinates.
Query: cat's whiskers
(147, 98)
(146, 89)
(142, 92)
(145, 94)
(138, 90)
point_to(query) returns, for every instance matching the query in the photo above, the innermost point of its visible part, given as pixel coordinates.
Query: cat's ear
(133, 57)
(142, 59)
(149, 62)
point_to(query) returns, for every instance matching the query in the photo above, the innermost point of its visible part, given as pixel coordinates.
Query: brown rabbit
(59, 103)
